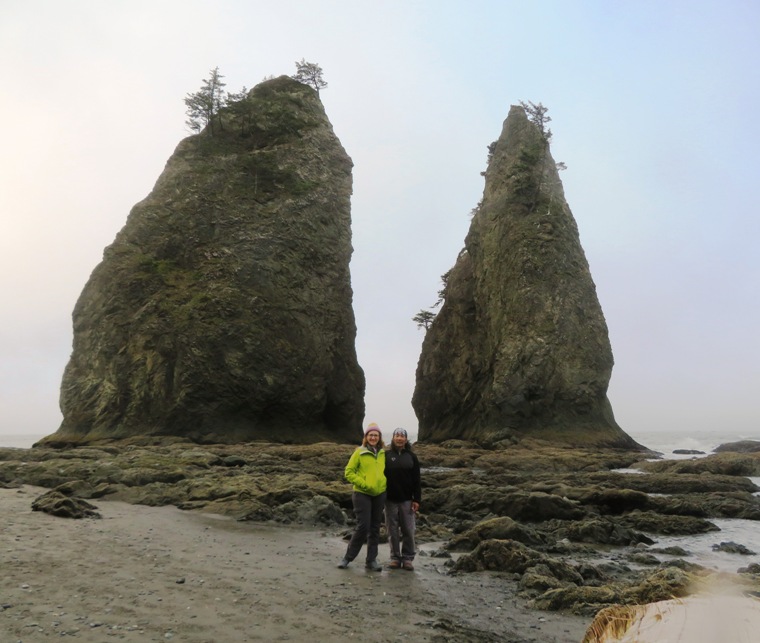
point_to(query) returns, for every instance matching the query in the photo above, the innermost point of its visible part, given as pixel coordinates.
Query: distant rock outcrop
(741, 446)
(520, 345)
(223, 310)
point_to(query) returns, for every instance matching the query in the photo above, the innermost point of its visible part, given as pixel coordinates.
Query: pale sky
(654, 106)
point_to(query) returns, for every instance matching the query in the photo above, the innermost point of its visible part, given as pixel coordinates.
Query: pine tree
(309, 74)
(204, 105)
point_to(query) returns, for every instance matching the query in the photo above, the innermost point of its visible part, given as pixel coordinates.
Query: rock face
(520, 344)
(223, 309)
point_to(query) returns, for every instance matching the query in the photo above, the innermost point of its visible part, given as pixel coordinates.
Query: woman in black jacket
(402, 501)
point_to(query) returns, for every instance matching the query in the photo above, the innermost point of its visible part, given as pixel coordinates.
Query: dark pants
(400, 522)
(369, 516)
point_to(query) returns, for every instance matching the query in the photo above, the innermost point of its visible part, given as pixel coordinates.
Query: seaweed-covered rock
(728, 464)
(643, 558)
(739, 504)
(654, 523)
(222, 311)
(520, 345)
(614, 501)
(660, 585)
(574, 597)
(665, 583)
(688, 481)
(511, 556)
(502, 528)
(313, 511)
(56, 503)
(600, 531)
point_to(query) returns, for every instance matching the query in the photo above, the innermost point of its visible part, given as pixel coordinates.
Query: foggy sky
(654, 110)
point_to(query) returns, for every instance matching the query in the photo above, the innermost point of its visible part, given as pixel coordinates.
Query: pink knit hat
(372, 426)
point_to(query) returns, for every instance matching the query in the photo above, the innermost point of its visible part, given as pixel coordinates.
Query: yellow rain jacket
(366, 471)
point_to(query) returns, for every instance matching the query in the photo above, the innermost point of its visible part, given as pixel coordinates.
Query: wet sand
(159, 574)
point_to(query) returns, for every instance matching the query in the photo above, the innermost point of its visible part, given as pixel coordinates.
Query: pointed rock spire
(520, 345)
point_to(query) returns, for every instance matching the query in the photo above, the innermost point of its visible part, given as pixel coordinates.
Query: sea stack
(222, 312)
(520, 345)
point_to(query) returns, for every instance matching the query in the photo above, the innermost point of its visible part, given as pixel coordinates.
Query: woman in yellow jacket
(366, 472)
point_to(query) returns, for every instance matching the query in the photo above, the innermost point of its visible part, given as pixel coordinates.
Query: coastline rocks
(562, 535)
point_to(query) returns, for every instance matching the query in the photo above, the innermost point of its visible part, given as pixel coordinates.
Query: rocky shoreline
(565, 527)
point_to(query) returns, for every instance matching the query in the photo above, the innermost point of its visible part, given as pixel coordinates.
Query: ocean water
(20, 440)
(666, 442)
(743, 532)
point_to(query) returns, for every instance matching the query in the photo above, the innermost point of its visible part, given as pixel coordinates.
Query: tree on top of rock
(537, 114)
(204, 105)
(309, 74)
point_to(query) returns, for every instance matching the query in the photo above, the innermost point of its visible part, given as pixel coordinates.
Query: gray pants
(369, 516)
(400, 522)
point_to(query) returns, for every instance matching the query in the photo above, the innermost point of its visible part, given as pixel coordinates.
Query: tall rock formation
(223, 309)
(520, 344)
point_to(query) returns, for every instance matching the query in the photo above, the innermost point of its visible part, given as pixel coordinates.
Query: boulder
(222, 312)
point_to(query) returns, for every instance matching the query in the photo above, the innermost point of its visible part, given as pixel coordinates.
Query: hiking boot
(374, 566)
(394, 564)
(343, 563)
(407, 565)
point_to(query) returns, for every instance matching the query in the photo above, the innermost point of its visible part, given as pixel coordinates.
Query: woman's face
(373, 437)
(399, 440)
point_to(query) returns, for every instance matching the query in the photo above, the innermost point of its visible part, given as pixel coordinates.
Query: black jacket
(402, 470)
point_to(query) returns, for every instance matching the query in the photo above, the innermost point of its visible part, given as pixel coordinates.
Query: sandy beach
(158, 573)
